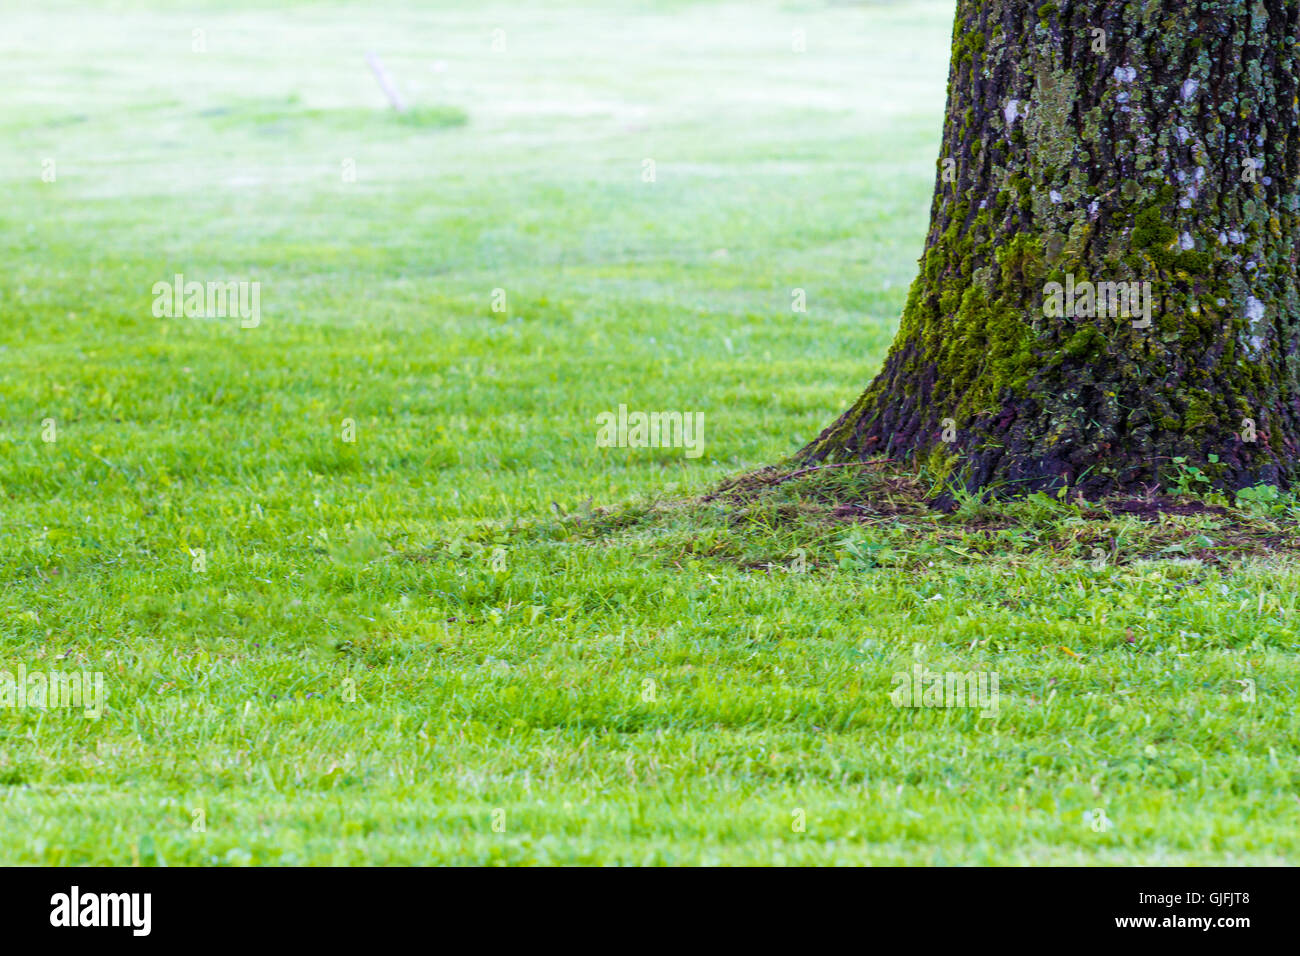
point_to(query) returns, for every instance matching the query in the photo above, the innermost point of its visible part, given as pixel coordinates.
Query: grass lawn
(472, 635)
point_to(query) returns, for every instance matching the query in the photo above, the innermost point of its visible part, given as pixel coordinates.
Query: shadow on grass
(882, 515)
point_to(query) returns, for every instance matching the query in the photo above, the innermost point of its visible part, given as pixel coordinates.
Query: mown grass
(473, 608)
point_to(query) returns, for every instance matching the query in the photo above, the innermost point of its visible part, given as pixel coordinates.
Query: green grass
(360, 675)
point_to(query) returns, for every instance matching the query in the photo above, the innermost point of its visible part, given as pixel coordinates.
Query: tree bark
(1103, 142)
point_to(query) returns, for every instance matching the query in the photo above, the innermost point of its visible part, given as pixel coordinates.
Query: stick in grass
(385, 82)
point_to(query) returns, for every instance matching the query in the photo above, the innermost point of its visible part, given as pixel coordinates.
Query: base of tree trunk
(1148, 155)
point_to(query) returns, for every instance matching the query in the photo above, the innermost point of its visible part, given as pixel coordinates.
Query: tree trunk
(1090, 143)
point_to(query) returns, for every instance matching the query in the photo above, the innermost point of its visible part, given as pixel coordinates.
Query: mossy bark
(1104, 142)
